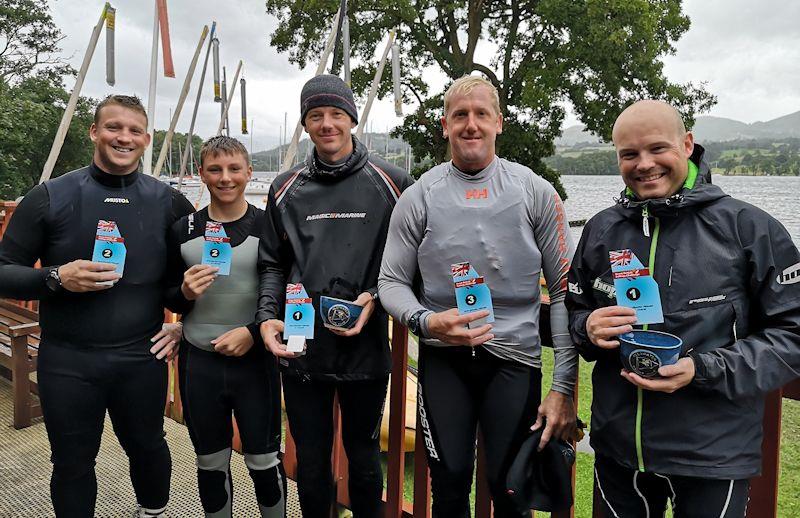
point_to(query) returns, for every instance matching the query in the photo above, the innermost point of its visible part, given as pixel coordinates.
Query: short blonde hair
(465, 85)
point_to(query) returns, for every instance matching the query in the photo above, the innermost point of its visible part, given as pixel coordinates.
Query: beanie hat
(327, 90)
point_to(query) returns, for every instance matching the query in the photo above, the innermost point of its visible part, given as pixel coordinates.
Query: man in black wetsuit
(325, 227)
(96, 351)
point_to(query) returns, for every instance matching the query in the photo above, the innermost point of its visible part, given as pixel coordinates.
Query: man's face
(652, 155)
(330, 130)
(120, 138)
(226, 176)
(472, 125)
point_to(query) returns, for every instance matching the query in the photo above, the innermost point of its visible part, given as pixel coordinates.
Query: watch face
(52, 281)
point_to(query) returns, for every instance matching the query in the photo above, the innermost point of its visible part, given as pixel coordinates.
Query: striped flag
(243, 85)
(110, 21)
(163, 23)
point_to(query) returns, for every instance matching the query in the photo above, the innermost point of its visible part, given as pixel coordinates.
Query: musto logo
(644, 363)
(339, 315)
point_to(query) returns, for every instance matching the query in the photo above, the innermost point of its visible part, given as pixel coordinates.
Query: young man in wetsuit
(96, 353)
(510, 225)
(224, 367)
(325, 227)
(727, 275)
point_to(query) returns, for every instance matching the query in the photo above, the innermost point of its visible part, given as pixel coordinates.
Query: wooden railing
(763, 493)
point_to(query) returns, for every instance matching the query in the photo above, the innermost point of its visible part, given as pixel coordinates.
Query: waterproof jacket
(729, 280)
(325, 227)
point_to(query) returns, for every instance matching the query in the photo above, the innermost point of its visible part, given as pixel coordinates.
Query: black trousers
(628, 493)
(76, 387)
(214, 387)
(458, 392)
(309, 407)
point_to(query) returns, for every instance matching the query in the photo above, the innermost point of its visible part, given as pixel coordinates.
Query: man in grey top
(510, 225)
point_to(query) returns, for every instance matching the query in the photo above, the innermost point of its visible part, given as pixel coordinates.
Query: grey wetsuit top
(510, 225)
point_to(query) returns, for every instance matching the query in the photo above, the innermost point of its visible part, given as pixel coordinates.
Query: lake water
(588, 195)
(778, 195)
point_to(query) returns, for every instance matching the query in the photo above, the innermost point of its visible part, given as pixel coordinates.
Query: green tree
(30, 113)
(33, 99)
(598, 55)
(178, 145)
(29, 41)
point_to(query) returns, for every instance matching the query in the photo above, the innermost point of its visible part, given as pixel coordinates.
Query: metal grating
(25, 473)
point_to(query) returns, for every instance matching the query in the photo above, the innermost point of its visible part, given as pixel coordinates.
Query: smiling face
(330, 130)
(652, 149)
(472, 125)
(226, 176)
(120, 138)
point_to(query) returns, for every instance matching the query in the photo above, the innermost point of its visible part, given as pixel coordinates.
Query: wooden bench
(19, 348)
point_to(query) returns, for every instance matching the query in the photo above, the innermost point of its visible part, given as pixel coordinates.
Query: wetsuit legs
(628, 493)
(74, 407)
(76, 387)
(457, 392)
(137, 414)
(309, 407)
(213, 388)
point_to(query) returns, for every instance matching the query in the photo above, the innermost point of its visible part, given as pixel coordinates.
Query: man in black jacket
(325, 227)
(97, 319)
(729, 286)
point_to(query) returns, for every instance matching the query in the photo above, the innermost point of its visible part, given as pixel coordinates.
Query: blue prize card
(299, 317)
(472, 293)
(217, 249)
(635, 287)
(109, 246)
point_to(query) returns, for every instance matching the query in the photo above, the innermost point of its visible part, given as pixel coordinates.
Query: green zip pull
(646, 221)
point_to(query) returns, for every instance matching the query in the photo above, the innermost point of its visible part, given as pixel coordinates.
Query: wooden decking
(25, 473)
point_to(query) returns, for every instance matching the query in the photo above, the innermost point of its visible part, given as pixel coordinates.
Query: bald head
(653, 110)
(653, 148)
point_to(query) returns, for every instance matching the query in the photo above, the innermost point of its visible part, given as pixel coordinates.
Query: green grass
(789, 482)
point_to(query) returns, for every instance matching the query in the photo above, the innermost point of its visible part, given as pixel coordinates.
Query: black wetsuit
(214, 386)
(94, 354)
(326, 227)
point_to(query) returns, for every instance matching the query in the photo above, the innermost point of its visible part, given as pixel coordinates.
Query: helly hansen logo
(477, 194)
(790, 275)
(116, 200)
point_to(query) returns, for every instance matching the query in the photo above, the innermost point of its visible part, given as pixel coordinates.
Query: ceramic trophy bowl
(644, 352)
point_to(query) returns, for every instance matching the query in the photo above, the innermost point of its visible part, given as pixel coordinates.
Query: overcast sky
(747, 52)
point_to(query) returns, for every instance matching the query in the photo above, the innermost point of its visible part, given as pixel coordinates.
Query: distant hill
(707, 129)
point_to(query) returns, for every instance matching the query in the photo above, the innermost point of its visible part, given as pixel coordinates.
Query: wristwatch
(53, 280)
(413, 322)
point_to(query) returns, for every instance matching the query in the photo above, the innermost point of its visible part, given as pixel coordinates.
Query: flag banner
(398, 96)
(110, 21)
(346, 51)
(242, 86)
(215, 56)
(224, 100)
(166, 48)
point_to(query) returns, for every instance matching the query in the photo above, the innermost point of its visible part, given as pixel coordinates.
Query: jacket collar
(353, 164)
(696, 190)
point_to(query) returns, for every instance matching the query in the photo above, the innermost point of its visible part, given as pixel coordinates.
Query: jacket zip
(639, 392)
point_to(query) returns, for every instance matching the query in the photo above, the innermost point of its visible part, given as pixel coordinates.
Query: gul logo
(477, 194)
(116, 200)
(605, 287)
(790, 275)
(574, 288)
